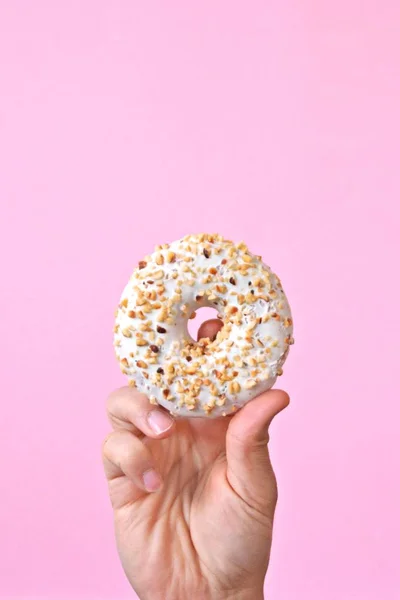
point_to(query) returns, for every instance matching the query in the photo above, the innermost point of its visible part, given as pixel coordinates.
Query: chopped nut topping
(250, 298)
(161, 329)
(206, 253)
(171, 257)
(234, 387)
(251, 326)
(250, 384)
(162, 315)
(158, 274)
(142, 364)
(142, 264)
(154, 348)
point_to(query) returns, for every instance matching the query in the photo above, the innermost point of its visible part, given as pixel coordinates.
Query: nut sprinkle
(210, 377)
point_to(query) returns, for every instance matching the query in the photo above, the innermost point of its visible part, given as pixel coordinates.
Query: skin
(193, 499)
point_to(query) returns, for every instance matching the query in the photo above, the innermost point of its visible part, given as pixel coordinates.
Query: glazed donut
(208, 377)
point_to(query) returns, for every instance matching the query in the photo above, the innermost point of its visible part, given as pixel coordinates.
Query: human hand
(193, 499)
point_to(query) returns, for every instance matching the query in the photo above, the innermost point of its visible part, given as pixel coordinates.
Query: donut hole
(203, 314)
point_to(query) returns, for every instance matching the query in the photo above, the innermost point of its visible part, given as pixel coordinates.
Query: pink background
(128, 123)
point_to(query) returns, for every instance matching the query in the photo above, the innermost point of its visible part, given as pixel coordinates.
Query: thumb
(249, 469)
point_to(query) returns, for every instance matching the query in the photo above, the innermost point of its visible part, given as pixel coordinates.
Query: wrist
(244, 596)
(237, 595)
(248, 594)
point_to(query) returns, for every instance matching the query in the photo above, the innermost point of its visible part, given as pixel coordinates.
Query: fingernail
(152, 481)
(159, 421)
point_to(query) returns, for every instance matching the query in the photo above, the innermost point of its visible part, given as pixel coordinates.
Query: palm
(198, 522)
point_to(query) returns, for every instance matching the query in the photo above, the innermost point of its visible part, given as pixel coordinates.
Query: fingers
(128, 462)
(209, 329)
(125, 455)
(128, 409)
(249, 467)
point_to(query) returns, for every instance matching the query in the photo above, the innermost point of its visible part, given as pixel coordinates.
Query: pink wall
(128, 123)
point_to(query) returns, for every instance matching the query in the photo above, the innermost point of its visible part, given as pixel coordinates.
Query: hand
(193, 499)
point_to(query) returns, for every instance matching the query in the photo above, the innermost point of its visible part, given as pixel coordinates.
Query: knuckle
(105, 448)
(128, 455)
(110, 401)
(248, 442)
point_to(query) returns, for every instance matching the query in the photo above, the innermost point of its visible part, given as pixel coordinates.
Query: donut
(209, 377)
